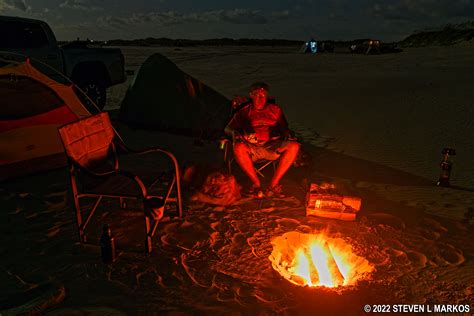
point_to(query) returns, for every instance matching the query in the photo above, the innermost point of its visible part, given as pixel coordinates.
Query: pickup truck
(93, 68)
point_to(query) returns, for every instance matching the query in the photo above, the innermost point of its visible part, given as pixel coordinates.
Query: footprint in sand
(216, 241)
(36, 300)
(288, 223)
(258, 247)
(217, 226)
(435, 225)
(450, 255)
(387, 219)
(430, 235)
(432, 229)
(398, 257)
(238, 242)
(87, 311)
(396, 244)
(417, 258)
(448, 205)
(55, 198)
(53, 231)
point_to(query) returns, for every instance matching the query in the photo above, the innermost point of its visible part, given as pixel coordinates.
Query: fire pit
(317, 260)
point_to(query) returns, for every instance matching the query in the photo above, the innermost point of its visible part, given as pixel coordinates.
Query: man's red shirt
(267, 123)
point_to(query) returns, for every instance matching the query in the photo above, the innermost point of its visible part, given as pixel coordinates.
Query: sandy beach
(374, 125)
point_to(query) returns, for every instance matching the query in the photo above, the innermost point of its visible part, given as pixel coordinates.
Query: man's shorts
(270, 151)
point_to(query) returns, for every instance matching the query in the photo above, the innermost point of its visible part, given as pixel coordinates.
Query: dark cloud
(297, 19)
(169, 18)
(242, 16)
(422, 9)
(14, 4)
(281, 15)
(112, 22)
(235, 16)
(136, 19)
(80, 5)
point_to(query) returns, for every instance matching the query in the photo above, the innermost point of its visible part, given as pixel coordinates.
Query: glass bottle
(107, 245)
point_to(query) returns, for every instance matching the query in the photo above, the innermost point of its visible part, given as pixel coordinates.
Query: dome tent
(310, 46)
(163, 97)
(313, 46)
(33, 107)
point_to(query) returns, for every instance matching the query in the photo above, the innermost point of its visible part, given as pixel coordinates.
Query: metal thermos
(446, 165)
(107, 245)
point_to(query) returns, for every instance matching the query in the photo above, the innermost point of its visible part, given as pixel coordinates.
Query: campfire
(317, 260)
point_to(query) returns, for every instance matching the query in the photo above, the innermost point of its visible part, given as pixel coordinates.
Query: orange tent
(32, 108)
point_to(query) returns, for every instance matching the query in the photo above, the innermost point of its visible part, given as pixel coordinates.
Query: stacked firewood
(324, 201)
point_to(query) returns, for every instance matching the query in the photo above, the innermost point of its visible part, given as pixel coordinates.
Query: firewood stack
(323, 201)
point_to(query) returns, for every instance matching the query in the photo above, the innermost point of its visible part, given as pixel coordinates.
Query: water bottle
(107, 245)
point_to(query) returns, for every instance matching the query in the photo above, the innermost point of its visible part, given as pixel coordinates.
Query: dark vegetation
(208, 42)
(448, 35)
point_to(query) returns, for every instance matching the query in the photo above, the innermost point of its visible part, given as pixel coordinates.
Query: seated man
(260, 131)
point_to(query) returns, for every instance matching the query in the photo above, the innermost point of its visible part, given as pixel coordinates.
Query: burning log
(337, 277)
(313, 272)
(317, 260)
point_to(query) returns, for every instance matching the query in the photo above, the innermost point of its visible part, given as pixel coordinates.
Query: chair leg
(77, 207)
(148, 243)
(178, 189)
(228, 159)
(82, 235)
(170, 188)
(123, 204)
(91, 213)
(259, 170)
(229, 166)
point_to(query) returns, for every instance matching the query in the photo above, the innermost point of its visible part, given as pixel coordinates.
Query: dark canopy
(310, 46)
(163, 97)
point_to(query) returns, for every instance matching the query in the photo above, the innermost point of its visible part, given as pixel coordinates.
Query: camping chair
(260, 165)
(89, 145)
(226, 143)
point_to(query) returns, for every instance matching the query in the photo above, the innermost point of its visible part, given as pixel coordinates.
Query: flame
(317, 260)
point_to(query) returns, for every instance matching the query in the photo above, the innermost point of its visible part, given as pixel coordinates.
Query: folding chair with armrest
(226, 143)
(89, 143)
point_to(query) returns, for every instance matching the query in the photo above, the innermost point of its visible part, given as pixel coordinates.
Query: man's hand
(251, 138)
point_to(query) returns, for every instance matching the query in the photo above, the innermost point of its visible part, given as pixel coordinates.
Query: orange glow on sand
(317, 260)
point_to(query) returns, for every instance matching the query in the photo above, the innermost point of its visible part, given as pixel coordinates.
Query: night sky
(389, 20)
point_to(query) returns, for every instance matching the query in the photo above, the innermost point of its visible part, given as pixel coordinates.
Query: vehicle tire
(95, 90)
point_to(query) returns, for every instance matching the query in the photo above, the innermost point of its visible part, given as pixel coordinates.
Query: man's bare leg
(288, 156)
(242, 156)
